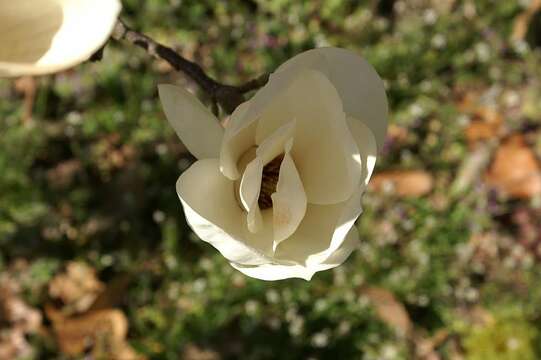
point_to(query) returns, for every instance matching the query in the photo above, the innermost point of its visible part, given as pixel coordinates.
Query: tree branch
(227, 96)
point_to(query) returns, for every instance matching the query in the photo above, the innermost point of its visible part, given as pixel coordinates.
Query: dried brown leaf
(522, 21)
(77, 287)
(389, 309)
(103, 332)
(404, 183)
(515, 170)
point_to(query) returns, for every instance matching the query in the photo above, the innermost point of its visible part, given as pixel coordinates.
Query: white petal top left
(45, 36)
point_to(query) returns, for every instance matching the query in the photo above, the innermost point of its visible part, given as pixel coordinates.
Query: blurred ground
(97, 262)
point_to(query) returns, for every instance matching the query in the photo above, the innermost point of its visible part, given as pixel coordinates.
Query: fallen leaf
(486, 124)
(522, 21)
(405, 183)
(515, 170)
(77, 288)
(101, 332)
(389, 309)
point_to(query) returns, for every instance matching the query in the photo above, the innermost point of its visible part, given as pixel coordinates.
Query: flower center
(271, 172)
(269, 178)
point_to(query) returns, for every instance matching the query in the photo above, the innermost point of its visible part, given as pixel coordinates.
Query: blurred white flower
(46, 36)
(278, 190)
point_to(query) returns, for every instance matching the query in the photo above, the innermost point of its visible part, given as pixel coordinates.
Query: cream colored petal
(274, 145)
(289, 201)
(358, 84)
(239, 137)
(195, 125)
(213, 213)
(321, 232)
(324, 151)
(366, 143)
(46, 36)
(350, 243)
(272, 272)
(250, 187)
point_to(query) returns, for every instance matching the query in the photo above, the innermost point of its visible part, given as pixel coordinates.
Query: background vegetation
(97, 261)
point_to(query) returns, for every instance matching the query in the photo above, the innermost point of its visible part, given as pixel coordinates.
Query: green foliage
(507, 338)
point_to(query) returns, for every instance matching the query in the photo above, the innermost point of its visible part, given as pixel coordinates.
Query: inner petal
(250, 186)
(325, 152)
(289, 200)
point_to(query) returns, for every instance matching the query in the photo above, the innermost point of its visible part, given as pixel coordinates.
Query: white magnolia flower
(44, 36)
(278, 190)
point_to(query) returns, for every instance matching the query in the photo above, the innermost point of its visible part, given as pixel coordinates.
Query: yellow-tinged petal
(271, 272)
(321, 232)
(289, 201)
(359, 86)
(324, 150)
(195, 125)
(366, 143)
(250, 186)
(239, 137)
(46, 36)
(214, 214)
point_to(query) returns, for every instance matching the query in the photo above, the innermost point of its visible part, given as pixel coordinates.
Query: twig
(227, 96)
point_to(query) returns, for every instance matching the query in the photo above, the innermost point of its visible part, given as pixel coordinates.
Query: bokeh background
(97, 261)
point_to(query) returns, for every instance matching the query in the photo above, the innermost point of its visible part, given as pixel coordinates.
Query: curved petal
(239, 137)
(366, 143)
(213, 213)
(197, 128)
(321, 232)
(271, 272)
(358, 84)
(324, 150)
(289, 201)
(275, 144)
(250, 187)
(46, 36)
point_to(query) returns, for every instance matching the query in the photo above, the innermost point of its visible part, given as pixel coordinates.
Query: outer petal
(289, 200)
(239, 137)
(196, 127)
(321, 232)
(45, 36)
(358, 85)
(324, 150)
(213, 213)
(366, 143)
(273, 272)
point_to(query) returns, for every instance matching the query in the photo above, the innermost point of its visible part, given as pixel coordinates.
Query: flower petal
(239, 137)
(358, 84)
(250, 187)
(213, 213)
(324, 150)
(275, 144)
(197, 128)
(289, 201)
(366, 143)
(41, 37)
(272, 272)
(321, 232)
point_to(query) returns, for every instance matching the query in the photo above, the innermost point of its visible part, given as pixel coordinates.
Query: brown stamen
(271, 172)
